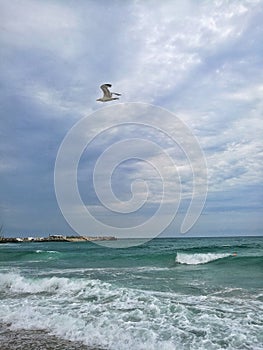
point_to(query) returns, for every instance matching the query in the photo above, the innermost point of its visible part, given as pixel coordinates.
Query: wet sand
(36, 340)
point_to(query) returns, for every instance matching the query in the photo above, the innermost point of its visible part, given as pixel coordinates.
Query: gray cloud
(201, 61)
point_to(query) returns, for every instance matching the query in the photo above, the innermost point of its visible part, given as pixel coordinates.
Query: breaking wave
(199, 258)
(14, 283)
(104, 315)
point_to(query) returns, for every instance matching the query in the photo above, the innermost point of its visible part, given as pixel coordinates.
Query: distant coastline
(57, 238)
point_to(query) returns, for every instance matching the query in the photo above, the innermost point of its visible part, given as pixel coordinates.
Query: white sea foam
(104, 315)
(15, 283)
(47, 251)
(199, 258)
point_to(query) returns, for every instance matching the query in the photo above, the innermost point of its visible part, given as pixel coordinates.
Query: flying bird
(107, 95)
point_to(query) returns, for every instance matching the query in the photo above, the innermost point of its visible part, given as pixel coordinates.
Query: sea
(165, 294)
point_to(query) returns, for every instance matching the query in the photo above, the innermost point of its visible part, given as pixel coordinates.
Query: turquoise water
(165, 294)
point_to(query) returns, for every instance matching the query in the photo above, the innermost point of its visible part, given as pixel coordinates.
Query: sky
(188, 125)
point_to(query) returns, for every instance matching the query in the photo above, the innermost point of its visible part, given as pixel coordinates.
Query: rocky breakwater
(57, 238)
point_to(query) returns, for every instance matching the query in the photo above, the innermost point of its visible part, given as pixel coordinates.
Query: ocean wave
(14, 283)
(46, 251)
(199, 258)
(103, 315)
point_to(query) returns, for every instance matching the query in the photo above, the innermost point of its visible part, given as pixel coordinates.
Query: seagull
(107, 95)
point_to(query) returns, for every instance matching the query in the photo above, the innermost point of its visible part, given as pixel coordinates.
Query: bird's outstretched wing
(106, 91)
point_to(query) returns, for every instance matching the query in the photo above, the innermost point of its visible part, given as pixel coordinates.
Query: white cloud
(172, 40)
(200, 59)
(252, 93)
(39, 25)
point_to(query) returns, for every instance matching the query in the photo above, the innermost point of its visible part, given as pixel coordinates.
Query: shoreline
(36, 339)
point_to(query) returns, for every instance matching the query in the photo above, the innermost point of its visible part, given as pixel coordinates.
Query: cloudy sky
(189, 66)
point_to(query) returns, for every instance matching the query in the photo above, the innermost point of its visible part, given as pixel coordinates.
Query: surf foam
(198, 258)
(15, 283)
(104, 315)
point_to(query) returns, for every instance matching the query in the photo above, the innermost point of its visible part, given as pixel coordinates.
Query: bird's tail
(116, 93)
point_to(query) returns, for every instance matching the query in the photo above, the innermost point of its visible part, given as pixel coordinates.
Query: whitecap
(199, 258)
